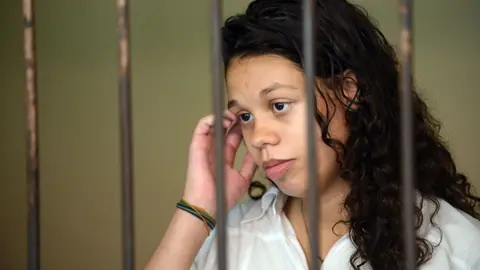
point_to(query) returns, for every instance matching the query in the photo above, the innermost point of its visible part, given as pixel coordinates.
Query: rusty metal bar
(407, 159)
(33, 238)
(218, 99)
(309, 65)
(124, 73)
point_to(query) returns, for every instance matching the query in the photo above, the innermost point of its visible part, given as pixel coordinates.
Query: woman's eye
(245, 117)
(280, 106)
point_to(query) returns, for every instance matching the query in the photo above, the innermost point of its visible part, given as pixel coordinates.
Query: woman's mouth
(275, 169)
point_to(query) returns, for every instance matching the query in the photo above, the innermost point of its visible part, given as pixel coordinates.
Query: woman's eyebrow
(265, 91)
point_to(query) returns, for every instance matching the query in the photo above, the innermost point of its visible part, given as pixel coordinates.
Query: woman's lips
(278, 168)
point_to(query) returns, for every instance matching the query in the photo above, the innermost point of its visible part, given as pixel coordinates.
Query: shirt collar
(273, 198)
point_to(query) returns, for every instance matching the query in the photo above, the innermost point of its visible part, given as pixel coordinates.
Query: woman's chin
(291, 186)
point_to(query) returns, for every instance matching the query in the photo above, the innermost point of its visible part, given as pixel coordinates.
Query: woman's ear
(350, 89)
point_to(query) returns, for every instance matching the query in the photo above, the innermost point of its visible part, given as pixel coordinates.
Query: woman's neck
(329, 205)
(330, 212)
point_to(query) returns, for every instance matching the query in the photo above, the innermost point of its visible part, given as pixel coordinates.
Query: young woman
(358, 140)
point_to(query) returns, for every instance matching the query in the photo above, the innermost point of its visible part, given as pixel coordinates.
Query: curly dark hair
(346, 39)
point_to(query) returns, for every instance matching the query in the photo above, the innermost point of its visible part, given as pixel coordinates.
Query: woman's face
(267, 94)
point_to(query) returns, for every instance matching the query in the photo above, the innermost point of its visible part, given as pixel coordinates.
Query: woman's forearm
(180, 244)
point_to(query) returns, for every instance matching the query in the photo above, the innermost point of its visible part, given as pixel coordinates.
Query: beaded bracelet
(199, 213)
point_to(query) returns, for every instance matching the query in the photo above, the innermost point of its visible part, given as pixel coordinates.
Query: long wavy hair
(346, 39)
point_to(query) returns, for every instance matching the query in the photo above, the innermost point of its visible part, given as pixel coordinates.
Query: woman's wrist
(191, 224)
(199, 213)
(209, 208)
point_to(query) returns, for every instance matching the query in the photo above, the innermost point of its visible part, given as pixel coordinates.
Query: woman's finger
(249, 167)
(232, 142)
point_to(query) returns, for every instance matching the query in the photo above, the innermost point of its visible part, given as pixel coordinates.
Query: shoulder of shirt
(252, 210)
(248, 211)
(453, 233)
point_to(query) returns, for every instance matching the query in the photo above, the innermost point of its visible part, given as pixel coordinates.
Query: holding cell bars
(126, 147)
(407, 158)
(218, 99)
(309, 66)
(126, 130)
(29, 49)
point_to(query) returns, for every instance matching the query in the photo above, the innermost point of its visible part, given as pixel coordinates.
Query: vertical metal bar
(32, 135)
(309, 62)
(123, 29)
(407, 160)
(217, 80)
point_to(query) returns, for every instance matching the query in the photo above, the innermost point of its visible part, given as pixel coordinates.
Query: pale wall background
(80, 200)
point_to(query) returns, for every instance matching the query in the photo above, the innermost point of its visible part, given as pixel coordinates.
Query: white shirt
(259, 236)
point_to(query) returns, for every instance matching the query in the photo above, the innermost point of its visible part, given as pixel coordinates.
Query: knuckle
(206, 119)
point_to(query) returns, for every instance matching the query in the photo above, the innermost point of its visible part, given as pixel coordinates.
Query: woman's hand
(200, 188)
